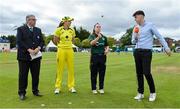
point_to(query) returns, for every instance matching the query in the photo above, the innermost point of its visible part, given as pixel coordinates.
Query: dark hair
(61, 24)
(94, 28)
(139, 12)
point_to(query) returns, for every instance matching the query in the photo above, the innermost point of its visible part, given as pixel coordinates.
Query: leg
(102, 70)
(147, 70)
(35, 72)
(139, 71)
(94, 71)
(70, 65)
(23, 76)
(60, 67)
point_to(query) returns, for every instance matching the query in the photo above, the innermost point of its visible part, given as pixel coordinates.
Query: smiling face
(67, 24)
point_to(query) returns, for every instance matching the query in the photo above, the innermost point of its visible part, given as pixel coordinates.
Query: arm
(19, 40)
(21, 43)
(93, 42)
(106, 47)
(56, 40)
(161, 39)
(134, 38)
(74, 35)
(41, 43)
(106, 50)
(73, 40)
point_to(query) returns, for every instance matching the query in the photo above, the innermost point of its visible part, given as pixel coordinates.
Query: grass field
(120, 83)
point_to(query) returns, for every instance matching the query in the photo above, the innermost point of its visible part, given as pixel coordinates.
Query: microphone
(136, 29)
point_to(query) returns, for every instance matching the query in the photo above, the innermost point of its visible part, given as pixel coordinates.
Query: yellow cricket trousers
(65, 55)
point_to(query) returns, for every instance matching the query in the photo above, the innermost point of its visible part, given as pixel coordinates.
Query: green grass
(120, 83)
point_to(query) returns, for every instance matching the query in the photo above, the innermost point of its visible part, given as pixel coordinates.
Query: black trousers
(24, 67)
(143, 59)
(97, 66)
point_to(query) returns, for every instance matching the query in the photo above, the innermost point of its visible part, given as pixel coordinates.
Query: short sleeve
(74, 33)
(90, 38)
(106, 42)
(57, 32)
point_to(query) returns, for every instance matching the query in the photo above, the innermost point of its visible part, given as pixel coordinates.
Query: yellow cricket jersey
(65, 36)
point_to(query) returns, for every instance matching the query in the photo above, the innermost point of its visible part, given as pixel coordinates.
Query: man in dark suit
(29, 42)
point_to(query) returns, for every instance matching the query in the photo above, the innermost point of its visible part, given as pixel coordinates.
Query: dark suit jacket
(27, 39)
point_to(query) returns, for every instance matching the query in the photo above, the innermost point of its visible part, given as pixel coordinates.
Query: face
(67, 23)
(31, 21)
(139, 18)
(97, 28)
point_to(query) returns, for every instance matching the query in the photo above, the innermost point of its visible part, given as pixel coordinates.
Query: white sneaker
(94, 91)
(101, 91)
(139, 96)
(73, 90)
(57, 91)
(152, 97)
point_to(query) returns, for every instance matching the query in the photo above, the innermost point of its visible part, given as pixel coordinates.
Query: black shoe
(22, 97)
(38, 94)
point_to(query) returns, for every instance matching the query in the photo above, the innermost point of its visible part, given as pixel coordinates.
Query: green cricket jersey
(99, 48)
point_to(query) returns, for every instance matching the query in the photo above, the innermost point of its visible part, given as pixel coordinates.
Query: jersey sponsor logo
(99, 44)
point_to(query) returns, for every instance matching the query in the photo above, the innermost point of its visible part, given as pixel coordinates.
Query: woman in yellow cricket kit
(63, 37)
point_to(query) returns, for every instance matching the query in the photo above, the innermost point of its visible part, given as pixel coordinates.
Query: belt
(143, 50)
(98, 54)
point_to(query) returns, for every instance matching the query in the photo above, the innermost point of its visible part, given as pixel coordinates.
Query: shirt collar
(143, 24)
(66, 29)
(29, 26)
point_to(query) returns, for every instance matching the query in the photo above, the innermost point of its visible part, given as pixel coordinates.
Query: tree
(47, 39)
(77, 42)
(111, 41)
(12, 40)
(85, 43)
(81, 33)
(126, 38)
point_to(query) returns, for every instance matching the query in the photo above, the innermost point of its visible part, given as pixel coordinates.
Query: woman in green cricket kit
(99, 50)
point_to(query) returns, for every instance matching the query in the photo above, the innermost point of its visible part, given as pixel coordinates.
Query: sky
(117, 15)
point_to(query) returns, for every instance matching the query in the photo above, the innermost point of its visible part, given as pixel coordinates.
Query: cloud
(117, 14)
(166, 32)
